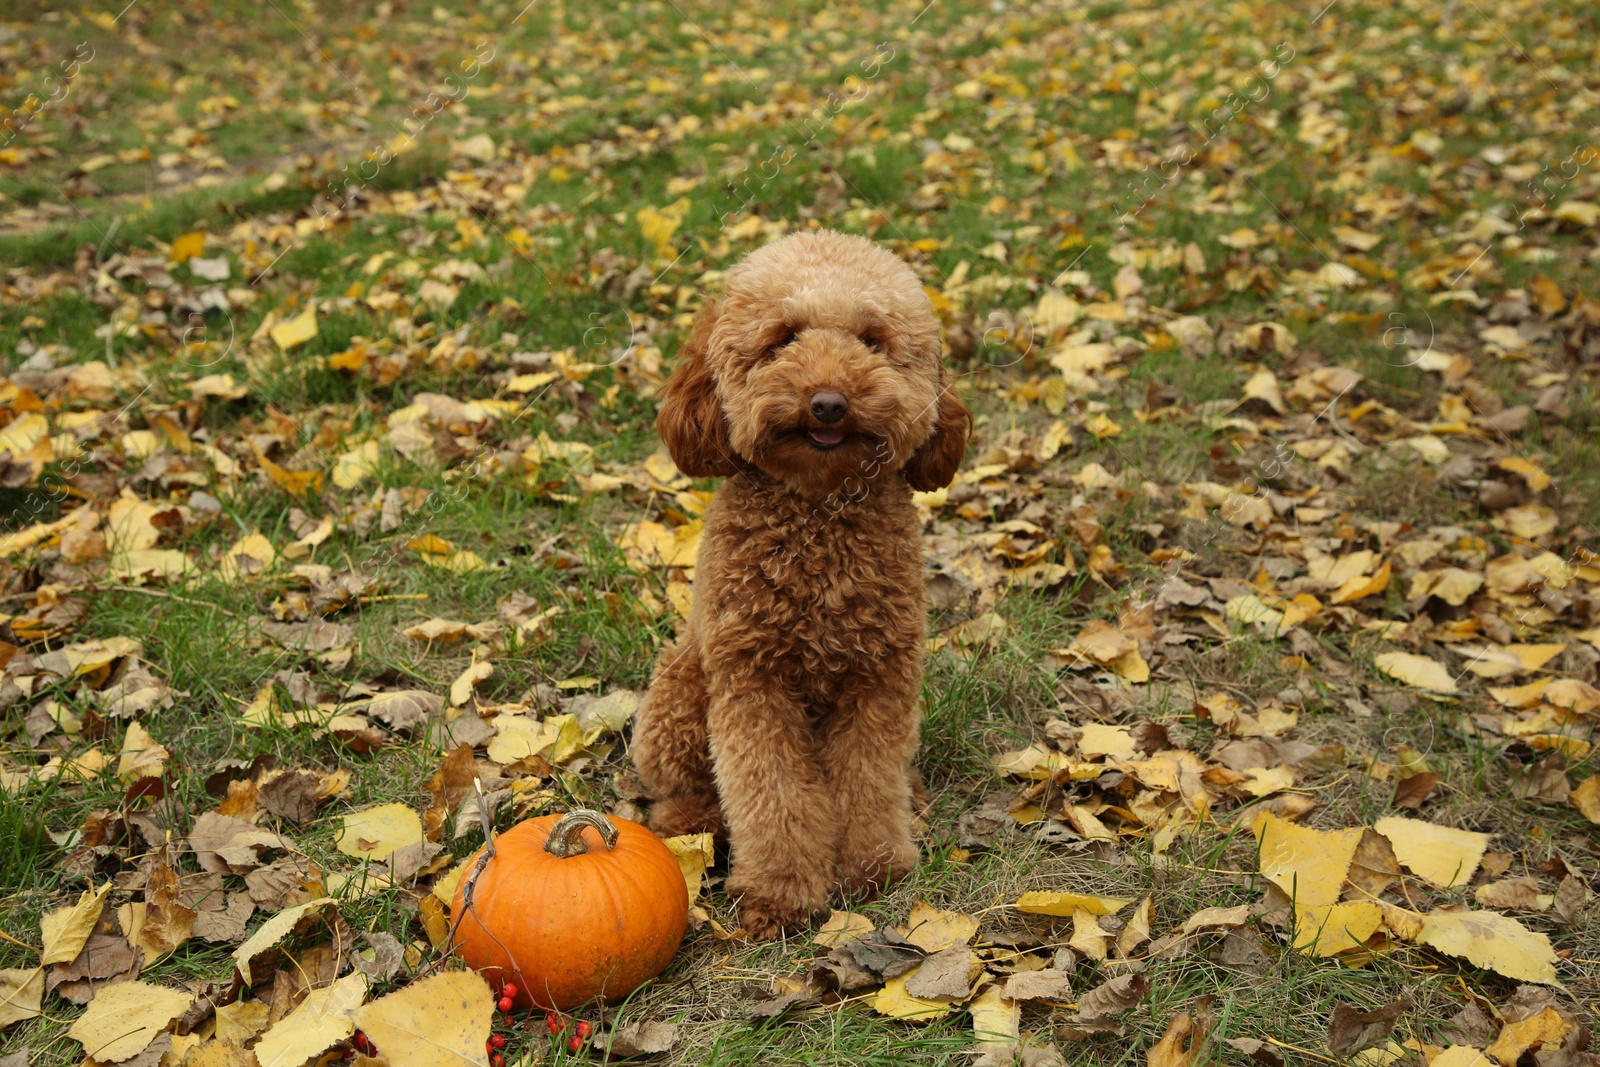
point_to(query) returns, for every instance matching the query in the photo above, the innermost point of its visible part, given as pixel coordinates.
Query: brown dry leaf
(1492, 941)
(1048, 984)
(125, 1017)
(1350, 1028)
(1512, 894)
(948, 973)
(1441, 854)
(1113, 997)
(440, 1021)
(896, 1002)
(1373, 869)
(639, 1039)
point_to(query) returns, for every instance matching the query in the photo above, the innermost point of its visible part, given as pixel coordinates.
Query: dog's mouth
(825, 437)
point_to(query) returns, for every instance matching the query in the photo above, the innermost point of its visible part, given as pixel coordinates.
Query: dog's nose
(829, 407)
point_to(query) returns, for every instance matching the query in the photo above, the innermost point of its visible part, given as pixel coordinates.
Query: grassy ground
(1007, 151)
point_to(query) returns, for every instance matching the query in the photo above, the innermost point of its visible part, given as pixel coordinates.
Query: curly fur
(786, 715)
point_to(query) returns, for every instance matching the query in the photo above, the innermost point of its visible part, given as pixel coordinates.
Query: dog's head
(822, 364)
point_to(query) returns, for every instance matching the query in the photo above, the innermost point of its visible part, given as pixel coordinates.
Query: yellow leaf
(1545, 1030)
(1100, 739)
(66, 930)
(1493, 941)
(322, 1019)
(1064, 904)
(933, 930)
(1263, 386)
(1358, 588)
(893, 1000)
(995, 1020)
(1441, 854)
(695, 853)
(295, 331)
(1499, 661)
(461, 689)
(657, 227)
(1586, 798)
(141, 756)
(187, 247)
(1330, 929)
(352, 467)
(1461, 1056)
(1415, 670)
(124, 1017)
(298, 483)
(274, 930)
(842, 926)
(250, 556)
(1309, 865)
(377, 832)
(21, 994)
(442, 1021)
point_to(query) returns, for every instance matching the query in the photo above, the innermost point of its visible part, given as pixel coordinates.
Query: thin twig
(164, 595)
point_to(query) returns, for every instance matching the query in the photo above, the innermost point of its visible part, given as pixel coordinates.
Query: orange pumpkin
(571, 908)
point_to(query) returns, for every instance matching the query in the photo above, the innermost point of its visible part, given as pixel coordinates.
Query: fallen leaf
(295, 331)
(1308, 865)
(841, 926)
(440, 1021)
(377, 832)
(1414, 670)
(1441, 854)
(124, 1017)
(933, 930)
(1065, 904)
(21, 993)
(1350, 1028)
(1545, 1030)
(66, 930)
(1492, 941)
(322, 1019)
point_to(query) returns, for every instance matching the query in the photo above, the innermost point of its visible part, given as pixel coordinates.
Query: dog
(786, 716)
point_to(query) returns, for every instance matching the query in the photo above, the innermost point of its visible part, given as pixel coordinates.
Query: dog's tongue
(827, 437)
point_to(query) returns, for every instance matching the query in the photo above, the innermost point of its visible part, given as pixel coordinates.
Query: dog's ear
(934, 465)
(691, 422)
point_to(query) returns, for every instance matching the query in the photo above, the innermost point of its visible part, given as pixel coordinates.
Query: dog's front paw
(766, 919)
(865, 875)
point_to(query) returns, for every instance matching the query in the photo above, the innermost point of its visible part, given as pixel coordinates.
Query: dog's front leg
(867, 753)
(782, 822)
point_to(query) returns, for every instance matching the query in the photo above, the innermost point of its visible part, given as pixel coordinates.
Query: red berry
(553, 1023)
(361, 1042)
(497, 1060)
(498, 1041)
(575, 1043)
(508, 990)
(584, 1028)
(506, 1004)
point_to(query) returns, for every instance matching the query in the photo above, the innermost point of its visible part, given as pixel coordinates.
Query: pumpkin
(571, 908)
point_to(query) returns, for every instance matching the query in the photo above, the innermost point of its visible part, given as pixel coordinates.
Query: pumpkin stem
(566, 837)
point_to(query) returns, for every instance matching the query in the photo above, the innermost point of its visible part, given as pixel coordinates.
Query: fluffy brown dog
(786, 715)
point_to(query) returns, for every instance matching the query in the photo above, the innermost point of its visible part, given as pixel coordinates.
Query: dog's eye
(784, 342)
(870, 341)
